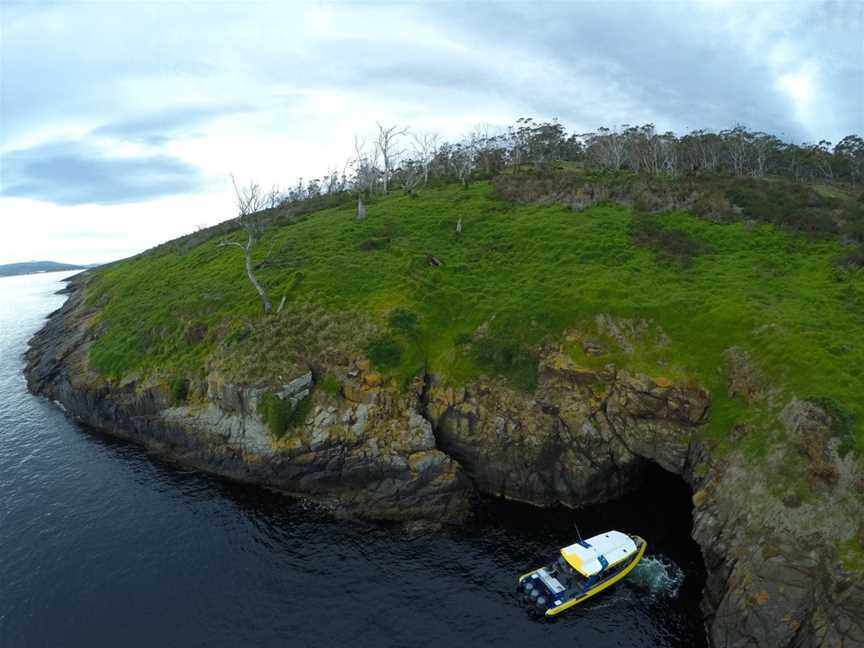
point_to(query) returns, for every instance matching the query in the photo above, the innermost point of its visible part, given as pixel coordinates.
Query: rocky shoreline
(582, 437)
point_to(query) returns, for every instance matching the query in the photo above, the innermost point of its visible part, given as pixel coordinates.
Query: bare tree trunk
(250, 201)
(265, 300)
(361, 209)
(386, 138)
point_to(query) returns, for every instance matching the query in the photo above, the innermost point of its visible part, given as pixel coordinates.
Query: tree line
(400, 157)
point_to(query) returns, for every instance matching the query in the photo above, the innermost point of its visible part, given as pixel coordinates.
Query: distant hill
(32, 267)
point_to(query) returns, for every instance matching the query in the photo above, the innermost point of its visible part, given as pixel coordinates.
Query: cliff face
(373, 456)
(582, 437)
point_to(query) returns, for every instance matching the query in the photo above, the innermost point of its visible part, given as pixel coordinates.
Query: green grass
(516, 276)
(278, 414)
(330, 385)
(179, 390)
(851, 553)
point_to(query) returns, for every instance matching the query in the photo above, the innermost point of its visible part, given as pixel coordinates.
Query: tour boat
(583, 569)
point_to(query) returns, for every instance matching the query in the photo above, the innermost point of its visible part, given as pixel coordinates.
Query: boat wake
(659, 575)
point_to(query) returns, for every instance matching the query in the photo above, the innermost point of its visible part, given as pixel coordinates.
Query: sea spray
(659, 575)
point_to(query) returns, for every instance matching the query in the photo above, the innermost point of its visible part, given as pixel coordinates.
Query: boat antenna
(577, 532)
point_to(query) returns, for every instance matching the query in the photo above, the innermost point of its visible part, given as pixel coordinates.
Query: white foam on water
(659, 575)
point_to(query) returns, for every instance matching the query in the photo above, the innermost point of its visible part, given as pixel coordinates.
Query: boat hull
(599, 587)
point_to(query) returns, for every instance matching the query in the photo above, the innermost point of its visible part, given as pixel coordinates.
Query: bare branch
(425, 148)
(386, 145)
(227, 243)
(250, 201)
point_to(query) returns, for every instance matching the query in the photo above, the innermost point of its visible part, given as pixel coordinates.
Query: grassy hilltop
(519, 275)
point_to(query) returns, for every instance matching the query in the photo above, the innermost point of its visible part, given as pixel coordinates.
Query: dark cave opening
(660, 510)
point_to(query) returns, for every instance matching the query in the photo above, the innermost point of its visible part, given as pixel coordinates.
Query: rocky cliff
(370, 453)
(582, 436)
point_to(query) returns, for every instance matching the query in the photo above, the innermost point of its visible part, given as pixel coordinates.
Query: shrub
(298, 415)
(784, 203)
(330, 385)
(461, 339)
(275, 412)
(510, 358)
(853, 229)
(853, 260)
(504, 349)
(179, 390)
(402, 321)
(237, 335)
(842, 423)
(673, 245)
(384, 352)
(375, 243)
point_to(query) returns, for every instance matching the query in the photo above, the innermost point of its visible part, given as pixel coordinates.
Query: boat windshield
(566, 575)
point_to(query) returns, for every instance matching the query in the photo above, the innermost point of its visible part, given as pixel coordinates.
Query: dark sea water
(103, 545)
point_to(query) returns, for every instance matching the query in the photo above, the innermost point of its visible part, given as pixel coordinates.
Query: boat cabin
(594, 555)
(583, 568)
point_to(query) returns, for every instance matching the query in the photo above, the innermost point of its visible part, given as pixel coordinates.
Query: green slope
(521, 275)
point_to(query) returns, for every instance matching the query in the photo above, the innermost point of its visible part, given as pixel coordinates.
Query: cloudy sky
(120, 122)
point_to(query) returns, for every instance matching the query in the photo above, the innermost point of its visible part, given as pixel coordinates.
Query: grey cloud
(680, 65)
(641, 64)
(74, 173)
(158, 127)
(593, 65)
(601, 64)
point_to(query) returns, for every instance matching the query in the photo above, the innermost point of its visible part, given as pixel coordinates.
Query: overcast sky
(121, 121)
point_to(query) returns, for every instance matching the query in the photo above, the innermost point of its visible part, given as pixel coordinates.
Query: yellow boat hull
(599, 588)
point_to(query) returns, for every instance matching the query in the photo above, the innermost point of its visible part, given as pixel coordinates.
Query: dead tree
(250, 200)
(273, 198)
(386, 141)
(411, 178)
(365, 164)
(425, 147)
(465, 157)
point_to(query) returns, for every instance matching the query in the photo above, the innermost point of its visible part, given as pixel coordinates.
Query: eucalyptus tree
(411, 174)
(486, 148)
(607, 148)
(273, 198)
(386, 146)
(365, 167)
(250, 201)
(425, 148)
(464, 156)
(849, 158)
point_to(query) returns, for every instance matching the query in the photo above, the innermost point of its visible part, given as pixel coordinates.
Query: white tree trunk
(258, 288)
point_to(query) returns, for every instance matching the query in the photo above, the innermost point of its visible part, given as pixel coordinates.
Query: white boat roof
(585, 556)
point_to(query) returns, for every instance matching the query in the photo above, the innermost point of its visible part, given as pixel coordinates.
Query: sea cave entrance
(660, 509)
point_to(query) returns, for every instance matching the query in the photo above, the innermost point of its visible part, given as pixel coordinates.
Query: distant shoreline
(37, 267)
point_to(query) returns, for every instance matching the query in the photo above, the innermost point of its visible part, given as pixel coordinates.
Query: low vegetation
(483, 300)
(279, 415)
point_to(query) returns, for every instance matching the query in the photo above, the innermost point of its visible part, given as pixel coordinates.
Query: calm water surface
(104, 545)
